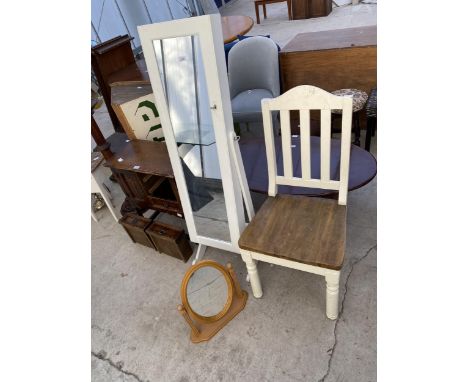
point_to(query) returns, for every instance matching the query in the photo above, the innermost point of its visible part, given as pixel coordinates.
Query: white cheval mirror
(187, 69)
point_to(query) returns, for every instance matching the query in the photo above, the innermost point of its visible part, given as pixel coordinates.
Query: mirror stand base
(202, 327)
(207, 330)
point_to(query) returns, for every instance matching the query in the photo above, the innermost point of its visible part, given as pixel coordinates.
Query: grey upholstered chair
(253, 75)
(208, 7)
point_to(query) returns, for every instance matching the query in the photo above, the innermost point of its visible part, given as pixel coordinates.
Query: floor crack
(331, 351)
(102, 356)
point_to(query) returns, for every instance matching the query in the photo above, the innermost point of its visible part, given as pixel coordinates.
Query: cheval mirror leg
(332, 279)
(253, 275)
(200, 253)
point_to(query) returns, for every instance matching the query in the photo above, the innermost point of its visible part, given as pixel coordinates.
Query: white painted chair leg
(253, 276)
(93, 215)
(200, 253)
(333, 288)
(110, 205)
(98, 185)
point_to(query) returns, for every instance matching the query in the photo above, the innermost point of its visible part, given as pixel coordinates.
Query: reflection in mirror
(183, 76)
(207, 291)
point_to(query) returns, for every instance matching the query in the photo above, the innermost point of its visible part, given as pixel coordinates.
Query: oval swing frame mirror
(205, 327)
(184, 288)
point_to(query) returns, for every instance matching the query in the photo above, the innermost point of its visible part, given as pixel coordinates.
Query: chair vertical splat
(325, 138)
(304, 118)
(286, 143)
(270, 149)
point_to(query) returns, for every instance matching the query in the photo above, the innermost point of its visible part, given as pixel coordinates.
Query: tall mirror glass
(183, 76)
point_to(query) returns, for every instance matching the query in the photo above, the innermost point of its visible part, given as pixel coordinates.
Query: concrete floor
(283, 30)
(138, 334)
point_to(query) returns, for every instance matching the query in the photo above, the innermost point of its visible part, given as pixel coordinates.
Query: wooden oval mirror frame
(186, 280)
(205, 327)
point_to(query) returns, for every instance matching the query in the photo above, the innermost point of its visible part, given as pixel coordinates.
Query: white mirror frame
(210, 34)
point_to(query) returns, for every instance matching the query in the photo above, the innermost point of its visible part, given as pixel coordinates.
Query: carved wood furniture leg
(200, 253)
(257, 13)
(332, 279)
(264, 11)
(289, 2)
(253, 275)
(128, 207)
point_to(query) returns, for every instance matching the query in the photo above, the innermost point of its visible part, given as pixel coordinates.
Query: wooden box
(135, 226)
(170, 240)
(331, 60)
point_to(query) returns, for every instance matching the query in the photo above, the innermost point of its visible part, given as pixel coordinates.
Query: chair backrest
(208, 6)
(253, 64)
(305, 98)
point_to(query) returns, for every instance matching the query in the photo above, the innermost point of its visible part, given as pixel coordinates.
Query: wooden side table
(265, 2)
(144, 173)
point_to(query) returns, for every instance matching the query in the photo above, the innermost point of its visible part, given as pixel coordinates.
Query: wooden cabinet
(306, 9)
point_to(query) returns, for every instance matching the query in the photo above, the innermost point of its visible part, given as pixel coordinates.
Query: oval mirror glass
(207, 291)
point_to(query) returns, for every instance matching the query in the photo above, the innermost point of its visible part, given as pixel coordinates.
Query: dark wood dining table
(362, 168)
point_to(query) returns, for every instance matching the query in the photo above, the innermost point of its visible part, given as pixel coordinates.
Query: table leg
(264, 11)
(368, 134)
(357, 130)
(256, 13)
(289, 2)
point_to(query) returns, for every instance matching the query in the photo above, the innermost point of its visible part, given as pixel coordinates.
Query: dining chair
(208, 7)
(253, 75)
(299, 232)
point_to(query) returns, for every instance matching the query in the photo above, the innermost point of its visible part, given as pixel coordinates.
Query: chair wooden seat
(306, 230)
